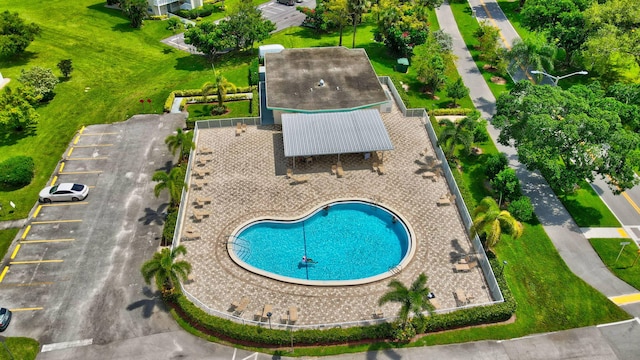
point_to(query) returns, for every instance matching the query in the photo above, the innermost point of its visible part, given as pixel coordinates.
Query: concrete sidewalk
(565, 234)
(9, 224)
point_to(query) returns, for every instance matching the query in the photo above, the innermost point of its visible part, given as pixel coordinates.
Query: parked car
(287, 2)
(5, 318)
(64, 192)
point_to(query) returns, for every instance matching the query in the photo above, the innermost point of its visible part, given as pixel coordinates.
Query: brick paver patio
(248, 180)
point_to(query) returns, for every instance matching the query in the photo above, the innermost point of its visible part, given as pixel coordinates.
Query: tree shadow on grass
(100, 7)
(124, 27)
(12, 137)
(581, 214)
(192, 62)
(19, 60)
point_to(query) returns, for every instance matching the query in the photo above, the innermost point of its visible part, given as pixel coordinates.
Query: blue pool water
(350, 240)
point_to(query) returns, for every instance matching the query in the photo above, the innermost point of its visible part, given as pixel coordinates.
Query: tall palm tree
(182, 141)
(356, 9)
(457, 133)
(533, 53)
(164, 268)
(490, 221)
(221, 87)
(412, 300)
(172, 181)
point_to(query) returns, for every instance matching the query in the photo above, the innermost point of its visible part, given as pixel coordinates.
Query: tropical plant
(457, 133)
(457, 90)
(533, 53)
(165, 269)
(490, 221)
(221, 87)
(174, 24)
(357, 8)
(173, 182)
(182, 141)
(412, 300)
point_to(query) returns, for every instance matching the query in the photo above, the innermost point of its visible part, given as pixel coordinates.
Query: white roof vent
(321, 82)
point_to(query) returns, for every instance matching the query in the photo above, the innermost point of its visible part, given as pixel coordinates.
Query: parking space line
(81, 129)
(98, 134)
(61, 167)
(27, 262)
(54, 222)
(93, 145)
(27, 309)
(4, 272)
(35, 213)
(44, 241)
(26, 231)
(15, 252)
(41, 283)
(76, 140)
(90, 158)
(80, 172)
(67, 204)
(53, 181)
(70, 151)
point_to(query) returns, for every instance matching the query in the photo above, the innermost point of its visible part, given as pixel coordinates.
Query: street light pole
(557, 78)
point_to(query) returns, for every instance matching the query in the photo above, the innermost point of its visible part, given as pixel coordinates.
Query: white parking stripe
(66, 345)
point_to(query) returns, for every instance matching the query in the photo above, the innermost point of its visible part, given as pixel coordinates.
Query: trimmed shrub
(254, 76)
(494, 164)
(169, 227)
(507, 185)
(169, 102)
(521, 209)
(443, 112)
(16, 172)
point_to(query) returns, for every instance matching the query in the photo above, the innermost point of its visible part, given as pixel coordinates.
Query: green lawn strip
(114, 67)
(467, 25)
(237, 109)
(6, 238)
(587, 208)
(20, 347)
(511, 11)
(608, 250)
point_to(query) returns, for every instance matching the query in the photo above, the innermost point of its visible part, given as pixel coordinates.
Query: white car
(64, 192)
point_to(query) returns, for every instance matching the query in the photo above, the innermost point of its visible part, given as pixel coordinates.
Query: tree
(135, 10)
(456, 90)
(182, 141)
(221, 87)
(412, 300)
(174, 24)
(507, 184)
(356, 9)
(15, 34)
(489, 221)
(173, 182)
(494, 164)
(16, 110)
(337, 12)
(66, 67)
(246, 25)
(41, 80)
(401, 26)
(533, 53)
(457, 133)
(568, 135)
(209, 38)
(164, 268)
(430, 70)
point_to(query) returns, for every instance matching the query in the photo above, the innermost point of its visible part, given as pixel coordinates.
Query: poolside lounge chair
(293, 315)
(428, 175)
(466, 267)
(240, 306)
(200, 173)
(238, 128)
(268, 308)
(339, 170)
(461, 297)
(374, 166)
(199, 183)
(299, 179)
(203, 159)
(243, 127)
(378, 314)
(446, 200)
(200, 201)
(198, 215)
(205, 150)
(289, 173)
(381, 169)
(334, 169)
(191, 234)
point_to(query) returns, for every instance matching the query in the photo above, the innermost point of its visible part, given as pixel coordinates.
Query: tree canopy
(41, 80)
(15, 34)
(16, 110)
(569, 135)
(135, 10)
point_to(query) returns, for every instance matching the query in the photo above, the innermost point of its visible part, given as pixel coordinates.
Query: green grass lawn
(588, 209)
(20, 348)
(236, 109)
(609, 249)
(6, 238)
(114, 67)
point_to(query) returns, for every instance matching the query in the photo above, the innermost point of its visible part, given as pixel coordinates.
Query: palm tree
(221, 86)
(490, 221)
(412, 300)
(181, 140)
(164, 268)
(457, 133)
(533, 53)
(172, 181)
(356, 9)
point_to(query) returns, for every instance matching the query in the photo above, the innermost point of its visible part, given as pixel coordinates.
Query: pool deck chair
(446, 200)
(339, 169)
(381, 169)
(334, 169)
(374, 166)
(200, 201)
(268, 308)
(243, 127)
(198, 215)
(293, 315)
(190, 234)
(199, 183)
(299, 179)
(238, 129)
(205, 150)
(466, 267)
(240, 306)
(289, 173)
(378, 314)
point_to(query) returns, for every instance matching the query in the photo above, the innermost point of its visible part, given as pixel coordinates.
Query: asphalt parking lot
(73, 275)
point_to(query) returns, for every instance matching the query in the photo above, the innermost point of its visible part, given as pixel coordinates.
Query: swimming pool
(345, 242)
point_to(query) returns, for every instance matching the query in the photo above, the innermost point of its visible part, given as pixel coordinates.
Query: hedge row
(202, 11)
(459, 111)
(197, 92)
(169, 227)
(234, 97)
(261, 336)
(168, 104)
(16, 172)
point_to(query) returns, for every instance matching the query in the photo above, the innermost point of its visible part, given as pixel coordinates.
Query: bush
(442, 112)
(218, 110)
(507, 185)
(494, 164)
(168, 104)
(16, 172)
(254, 76)
(521, 209)
(480, 133)
(169, 227)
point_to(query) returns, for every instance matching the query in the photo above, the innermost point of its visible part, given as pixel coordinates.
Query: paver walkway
(559, 225)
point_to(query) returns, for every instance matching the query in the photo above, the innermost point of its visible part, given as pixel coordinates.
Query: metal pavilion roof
(334, 133)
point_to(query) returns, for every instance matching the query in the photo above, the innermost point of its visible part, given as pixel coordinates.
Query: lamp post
(557, 78)
(504, 263)
(269, 317)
